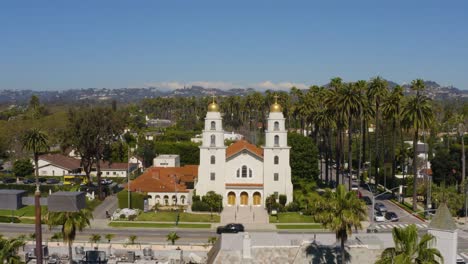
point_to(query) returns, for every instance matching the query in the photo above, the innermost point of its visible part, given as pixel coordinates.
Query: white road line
(419, 225)
(387, 226)
(377, 226)
(402, 225)
(465, 255)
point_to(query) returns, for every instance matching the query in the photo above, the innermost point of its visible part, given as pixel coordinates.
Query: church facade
(243, 173)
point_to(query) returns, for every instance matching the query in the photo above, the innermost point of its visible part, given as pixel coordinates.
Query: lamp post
(128, 176)
(461, 132)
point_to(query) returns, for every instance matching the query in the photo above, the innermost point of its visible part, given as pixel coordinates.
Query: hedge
(199, 206)
(137, 200)
(31, 188)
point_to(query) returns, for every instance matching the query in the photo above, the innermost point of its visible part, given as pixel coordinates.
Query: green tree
(70, 223)
(410, 249)
(109, 237)
(132, 239)
(304, 163)
(9, 249)
(212, 240)
(36, 142)
(340, 211)
(173, 237)
(417, 113)
(23, 168)
(214, 200)
(95, 238)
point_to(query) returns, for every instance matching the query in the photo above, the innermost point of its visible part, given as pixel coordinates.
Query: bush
(137, 200)
(282, 199)
(200, 206)
(293, 207)
(31, 188)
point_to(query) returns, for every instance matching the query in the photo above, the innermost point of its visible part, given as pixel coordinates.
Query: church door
(244, 198)
(231, 198)
(257, 197)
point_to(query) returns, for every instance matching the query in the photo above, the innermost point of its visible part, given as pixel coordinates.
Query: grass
(291, 217)
(157, 225)
(306, 226)
(25, 211)
(171, 216)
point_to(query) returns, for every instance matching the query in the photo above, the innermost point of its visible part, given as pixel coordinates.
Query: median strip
(157, 225)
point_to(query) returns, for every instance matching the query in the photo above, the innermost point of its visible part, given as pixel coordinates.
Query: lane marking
(464, 255)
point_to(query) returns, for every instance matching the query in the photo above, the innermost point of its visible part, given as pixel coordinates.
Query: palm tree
(95, 238)
(340, 211)
(132, 239)
(36, 142)
(391, 110)
(212, 240)
(9, 249)
(410, 249)
(109, 237)
(71, 222)
(376, 92)
(349, 101)
(417, 113)
(172, 236)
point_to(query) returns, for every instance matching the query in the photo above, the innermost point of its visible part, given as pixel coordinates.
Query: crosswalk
(464, 255)
(388, 226)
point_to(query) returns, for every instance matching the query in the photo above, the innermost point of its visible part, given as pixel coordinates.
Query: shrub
(122, 216)
(136, 199)
(200, 206)
(293, 207)
(282, 199)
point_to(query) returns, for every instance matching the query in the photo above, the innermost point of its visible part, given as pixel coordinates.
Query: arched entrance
(231, 198)
(257, 198)
(244, 198)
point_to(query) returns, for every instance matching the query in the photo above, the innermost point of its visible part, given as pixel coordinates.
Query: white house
(115, 169)
(243, 173)
(166, 161)
(57, 165)
(136, 160)
(227, 136)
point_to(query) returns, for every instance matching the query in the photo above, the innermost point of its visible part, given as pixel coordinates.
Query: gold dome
(276, 107)
(213, 106)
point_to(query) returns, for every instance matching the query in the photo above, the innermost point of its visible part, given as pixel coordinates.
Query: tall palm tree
(410, 249)
(391, 110)
(349, 101)
(36, 142)
(340, 211)
(376, 92)
(172, 236)
(9, 249)
(417, 113)
(71, 222)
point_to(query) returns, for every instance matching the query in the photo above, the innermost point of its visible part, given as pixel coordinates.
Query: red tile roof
(159, 179)
(240, 146)
(62, 161)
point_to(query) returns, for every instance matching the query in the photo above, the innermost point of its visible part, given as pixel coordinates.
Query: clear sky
(60, 44)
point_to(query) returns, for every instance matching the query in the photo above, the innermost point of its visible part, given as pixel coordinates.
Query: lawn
(291, 217)
(157, 225)
(306, 226)
(25, 211)
(171, 216)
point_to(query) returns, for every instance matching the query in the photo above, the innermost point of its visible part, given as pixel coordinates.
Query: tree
(173, 237)
(70, 223)
(340, 211)
(109, 237)
(9, 249)
(23, 168)
(212, 240)
(214, 200)
(95, 238)
(417, 113)
(410, 249)
(36, 142)
(304, 163)
(132, 239)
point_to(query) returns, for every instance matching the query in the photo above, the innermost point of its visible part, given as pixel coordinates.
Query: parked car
(379, 217)
(367, 200)
(106, 181)
(9, 180)
(380, 207)
(354, 187)
(230, 228)
(52, 181)
(42, 180)
(28, 181)
(391, 216)
(460, 260)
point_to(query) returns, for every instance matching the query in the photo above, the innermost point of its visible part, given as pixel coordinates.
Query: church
(243, 173)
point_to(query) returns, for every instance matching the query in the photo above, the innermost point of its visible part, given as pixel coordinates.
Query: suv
(380, 207)
(230, 228)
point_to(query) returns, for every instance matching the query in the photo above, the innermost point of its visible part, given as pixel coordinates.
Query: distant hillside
(125, 95)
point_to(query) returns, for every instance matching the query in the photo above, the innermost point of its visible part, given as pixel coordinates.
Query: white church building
(243, 173)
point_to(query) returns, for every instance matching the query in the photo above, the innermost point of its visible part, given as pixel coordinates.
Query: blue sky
(50, 45)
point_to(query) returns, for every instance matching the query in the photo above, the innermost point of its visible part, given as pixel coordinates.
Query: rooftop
(241, 145)
(161, 179)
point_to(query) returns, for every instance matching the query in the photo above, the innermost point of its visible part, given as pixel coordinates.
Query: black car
(9, 180)
(230, 228)
(391, 216)
(52, 181)
(42, 180)
(367, 200)
(28, 181)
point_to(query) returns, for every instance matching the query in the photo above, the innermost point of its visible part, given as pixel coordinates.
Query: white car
(354, 187)
(379, 217)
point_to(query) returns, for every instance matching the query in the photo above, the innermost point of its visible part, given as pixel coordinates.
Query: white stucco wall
(166, 161)
(51, 170)
(236, 162)
(447, 243)
(158, 197)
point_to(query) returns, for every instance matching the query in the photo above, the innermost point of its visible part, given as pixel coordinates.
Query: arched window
(174, 199)
(276, 126)
(182, 199)
(213, 125)
(244, 171)
(238, 173)
(213, 140)
(276, 141)
(213, 159)
(250, 173)
(276, 160)
(166, 200)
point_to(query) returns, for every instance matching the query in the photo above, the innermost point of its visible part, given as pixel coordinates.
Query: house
(115, 169)
(58, 165)
(166, 161)
(227, 136)
(166, 185)
(137, 160)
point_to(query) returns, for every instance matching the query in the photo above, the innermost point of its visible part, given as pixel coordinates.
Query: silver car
(380, 207)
